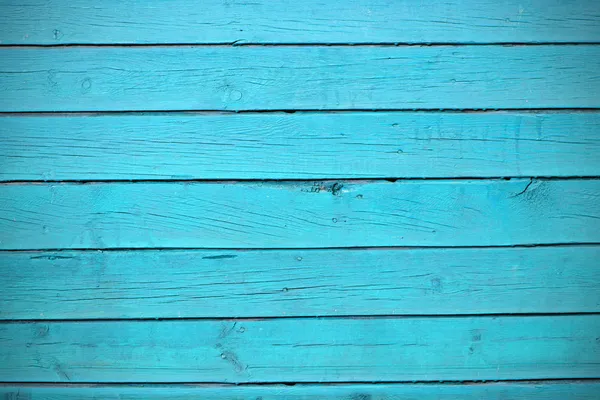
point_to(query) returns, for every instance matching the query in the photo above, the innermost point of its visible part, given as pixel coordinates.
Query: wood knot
(235, 95)
(42, 331)
(336, 189)
(86, 85)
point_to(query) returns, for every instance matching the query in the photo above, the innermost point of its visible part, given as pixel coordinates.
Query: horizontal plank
(301, 145)
(308, 21)
(269, 78)
(302, 350)
(299, 214)
(172, 284)
(574, 390)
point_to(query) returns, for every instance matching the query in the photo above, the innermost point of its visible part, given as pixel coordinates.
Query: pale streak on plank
(299, 214)
(302, 350)
(573, 390)
(269, 78)
(172, 284)
(289, 21)
(301, 145)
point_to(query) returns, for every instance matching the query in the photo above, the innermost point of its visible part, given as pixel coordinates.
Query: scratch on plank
(50, 258)
(524, 190)
(61, 373)
(226, 330)
(219, 257)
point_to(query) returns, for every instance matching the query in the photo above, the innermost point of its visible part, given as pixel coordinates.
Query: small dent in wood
(475, 339)
(57, 34)
(436, 285)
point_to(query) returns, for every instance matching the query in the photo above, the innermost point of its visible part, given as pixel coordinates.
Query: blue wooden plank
(573, 390)
(302, 350)
(307, 21)
(299, 214)
(267, 78)
(173, 284)
(301, 145)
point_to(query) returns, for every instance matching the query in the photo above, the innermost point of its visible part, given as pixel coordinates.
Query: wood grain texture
(301, 145)
(299, 214)
(578, 390)
(308, 21)
(302, 350)
(172, 284)
(268, 78)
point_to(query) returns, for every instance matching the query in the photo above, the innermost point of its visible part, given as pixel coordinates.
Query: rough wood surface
(300, 146)
(572, 390)
(307, 21)
(268, 78)
(299, 214)
(172, 284)
(302, 350)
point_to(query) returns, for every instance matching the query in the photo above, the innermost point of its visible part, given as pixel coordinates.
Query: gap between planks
(323, 180)
(241, 43)
(216, 384)
(298, 317)
(199, 112)
(256, 249)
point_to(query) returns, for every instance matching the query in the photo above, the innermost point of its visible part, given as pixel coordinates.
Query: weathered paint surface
(241, 283)
(303, 350)
(289, 21)
(298, 78)
(359, 199)
(300, 146)
(299, 214)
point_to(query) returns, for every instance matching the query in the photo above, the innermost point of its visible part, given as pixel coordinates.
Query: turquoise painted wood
(302, 350)
(275, 78)
(300, 146)
(308, 21)
(582, 390)
(299, 214)
(173, 284)
(199, 194)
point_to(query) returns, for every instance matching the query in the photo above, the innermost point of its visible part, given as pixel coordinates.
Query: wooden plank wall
(345, 199)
